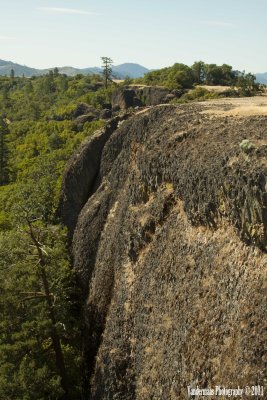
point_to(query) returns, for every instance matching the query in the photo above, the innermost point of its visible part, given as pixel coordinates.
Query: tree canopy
(181, 76)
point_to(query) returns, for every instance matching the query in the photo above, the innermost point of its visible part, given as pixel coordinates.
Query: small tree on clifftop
(107, 69)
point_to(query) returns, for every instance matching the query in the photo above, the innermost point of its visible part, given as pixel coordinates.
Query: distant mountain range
(262, 78)
(119, 71)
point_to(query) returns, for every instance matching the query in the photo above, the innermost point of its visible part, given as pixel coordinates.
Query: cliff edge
(170, 250)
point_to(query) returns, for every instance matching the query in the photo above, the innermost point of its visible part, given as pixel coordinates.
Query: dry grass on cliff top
(245, 106)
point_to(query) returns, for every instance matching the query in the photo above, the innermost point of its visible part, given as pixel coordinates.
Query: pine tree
(107, 69)
(35, 328)
(39, 351)
(12, 74)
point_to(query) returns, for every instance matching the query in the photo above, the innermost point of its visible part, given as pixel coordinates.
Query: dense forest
(39, 327)
(40, 354)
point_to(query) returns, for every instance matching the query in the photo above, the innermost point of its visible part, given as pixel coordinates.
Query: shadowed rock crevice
(80, 178)
(170, 250)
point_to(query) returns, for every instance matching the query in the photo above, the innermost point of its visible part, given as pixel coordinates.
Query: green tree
(246, 84)
(219, 74)
(33, 304)
(198, 69)
(5, 95)
(42, 258)
(3, 152)
(181, 76)
(35, 111)
(28, 88)
(176, 77)
(39, 358)
(48, 84)
(12, 74)
(127, 80)
(212, 74)
(64, 83)
(107, 69)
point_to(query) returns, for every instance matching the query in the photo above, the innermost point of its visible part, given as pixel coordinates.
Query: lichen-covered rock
(170, 250)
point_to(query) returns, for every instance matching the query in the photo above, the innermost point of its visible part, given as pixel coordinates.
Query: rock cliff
(139, 96)
(170, 218)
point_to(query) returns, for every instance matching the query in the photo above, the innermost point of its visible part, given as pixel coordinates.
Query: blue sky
(154, 33)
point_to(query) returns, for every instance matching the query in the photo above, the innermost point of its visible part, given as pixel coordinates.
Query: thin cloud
(67, 10)
(222, 24)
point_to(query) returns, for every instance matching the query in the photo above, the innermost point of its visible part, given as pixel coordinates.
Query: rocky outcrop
(105, 114)
(140, 96)
(84, 109)
(170, 250)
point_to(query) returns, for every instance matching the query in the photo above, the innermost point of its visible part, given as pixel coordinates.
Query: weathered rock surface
(170, 250)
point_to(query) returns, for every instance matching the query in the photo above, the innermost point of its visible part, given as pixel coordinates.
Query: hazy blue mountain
(262, 78)
(120, 71)
(130, 69)
(3, 63)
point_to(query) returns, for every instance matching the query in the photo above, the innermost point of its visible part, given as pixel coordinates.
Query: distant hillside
(120, 71)
(20, 70)
(90, 70)
(262, 78)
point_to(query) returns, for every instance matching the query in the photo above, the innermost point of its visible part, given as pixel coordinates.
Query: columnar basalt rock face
(170, 250)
